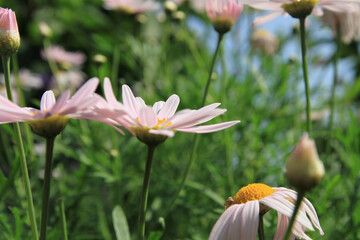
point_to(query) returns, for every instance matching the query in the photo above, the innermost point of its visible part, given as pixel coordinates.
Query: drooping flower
(132, 6)
(304, 169)
(346, 24)
(53, 115)
(298, 8)
(153, 124)
(241, 218)
(9, 32)
(223, 14)
(66, 59)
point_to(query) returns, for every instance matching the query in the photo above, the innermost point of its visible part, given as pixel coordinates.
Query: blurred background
(258, 79)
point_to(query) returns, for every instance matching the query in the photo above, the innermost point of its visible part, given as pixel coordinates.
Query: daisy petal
(60, 103)
(147, 117)
(166, 132)
(47, 101)
(109, 93)
(169, 107)
(220, 230)
(129, 100)
(208, 128)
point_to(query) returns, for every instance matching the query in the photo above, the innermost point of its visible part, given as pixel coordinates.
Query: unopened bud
(170, 6)
(45, 30)
(9, 32)
(99, 58)
(304, 169)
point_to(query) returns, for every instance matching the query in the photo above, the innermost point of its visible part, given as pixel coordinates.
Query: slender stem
(145, 191)
(261, 227)
(28, 134)
(115, 68)
(306, 76)
(63, 219)
(335, 82)
(23, 164)
(300, 197)
(211, 69)
(46, 190)
(195, 140)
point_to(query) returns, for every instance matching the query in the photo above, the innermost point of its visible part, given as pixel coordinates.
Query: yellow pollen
(251, 192)
(159, 121)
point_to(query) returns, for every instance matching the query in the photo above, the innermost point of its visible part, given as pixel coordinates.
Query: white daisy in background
(241, 218)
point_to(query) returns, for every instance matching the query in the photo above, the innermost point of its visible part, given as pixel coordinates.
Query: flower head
(9, 32)
(51, 118)
(296, 8)
(153, 124)
(346, 24)
(131, 6)
(223, 14)
(265, 41)
(241, 219)
(66, 59)
(304, 169)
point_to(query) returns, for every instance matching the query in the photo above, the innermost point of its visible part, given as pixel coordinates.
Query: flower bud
(304, 170)
(45, 30)
(9, 32)
(223, 14)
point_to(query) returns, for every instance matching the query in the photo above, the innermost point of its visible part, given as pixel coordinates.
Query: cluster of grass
(96, 169)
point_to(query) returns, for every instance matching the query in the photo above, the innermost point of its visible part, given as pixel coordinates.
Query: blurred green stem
(261, 227)
(300, 197)
(115, 69)
(335, 82)
(306, 77)
(145, 191)
(195, 140)
(46, 190)
(23, 164)
(28, 133)
(63, 219)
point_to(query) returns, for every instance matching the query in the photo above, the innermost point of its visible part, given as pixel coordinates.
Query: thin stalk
(335, 82)
(115, 68)
(195, 140)
(211, 69)
(28, 134)
(23, 164)
(63, 219)
(261, 227)
(306, 76)
(46, 190)
(145, 191)
(300, 197)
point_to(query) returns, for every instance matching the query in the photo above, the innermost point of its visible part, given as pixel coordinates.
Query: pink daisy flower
(132, 6)
(241, 218)
(53, 114)
(160, 120)
(276, 7)
(58, 54)
(223, 13)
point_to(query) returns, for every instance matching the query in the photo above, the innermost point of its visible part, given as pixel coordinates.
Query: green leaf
(120, 224)
(155, 235)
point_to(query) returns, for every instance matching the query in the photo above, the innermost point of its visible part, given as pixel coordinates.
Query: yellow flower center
(159, 121)
(251, 192)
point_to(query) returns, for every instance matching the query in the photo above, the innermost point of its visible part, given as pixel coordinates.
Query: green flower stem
(63, 219)
(300, 197)
(211, 69)
(195, 140)
(23, 164)
(115, 68)
(145, 191)
(46, 190)
(28, 133)
(306, 76)
(53, 67)
(335, 82)
(261, 227)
